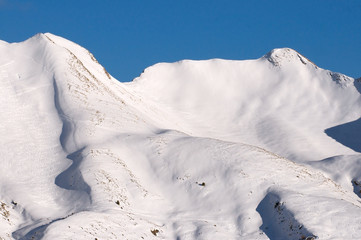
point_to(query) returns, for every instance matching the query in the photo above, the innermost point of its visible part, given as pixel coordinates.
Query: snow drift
(216, 149)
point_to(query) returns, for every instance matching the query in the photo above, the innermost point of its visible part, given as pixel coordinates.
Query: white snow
(213, 149)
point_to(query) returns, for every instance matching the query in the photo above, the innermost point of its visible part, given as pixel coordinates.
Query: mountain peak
(39, 40)
(39, 37)
(278, 56)
(49, 37)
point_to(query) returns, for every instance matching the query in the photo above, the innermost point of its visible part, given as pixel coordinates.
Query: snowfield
(216, 149)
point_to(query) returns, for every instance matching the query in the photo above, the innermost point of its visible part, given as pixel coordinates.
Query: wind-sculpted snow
(215, 149)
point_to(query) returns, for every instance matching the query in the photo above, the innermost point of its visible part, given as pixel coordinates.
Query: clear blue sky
(128, 36)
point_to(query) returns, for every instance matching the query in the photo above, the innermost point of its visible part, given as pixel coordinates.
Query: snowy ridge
(215, 149)
(246, 101)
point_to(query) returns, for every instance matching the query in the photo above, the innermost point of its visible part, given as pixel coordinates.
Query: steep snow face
(210, 149)
(282, 101)
(53, 95)
(30, 128)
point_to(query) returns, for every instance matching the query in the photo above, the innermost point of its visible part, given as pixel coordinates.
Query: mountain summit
(280, 55)
(212, 149)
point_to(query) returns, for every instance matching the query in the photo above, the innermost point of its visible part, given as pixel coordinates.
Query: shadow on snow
(348, 134)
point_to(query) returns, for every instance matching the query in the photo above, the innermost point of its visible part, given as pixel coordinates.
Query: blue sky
(128, 36)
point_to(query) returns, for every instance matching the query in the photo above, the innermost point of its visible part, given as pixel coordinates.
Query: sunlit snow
(215, 149)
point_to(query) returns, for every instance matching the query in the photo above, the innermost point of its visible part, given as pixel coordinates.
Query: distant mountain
(215, 149)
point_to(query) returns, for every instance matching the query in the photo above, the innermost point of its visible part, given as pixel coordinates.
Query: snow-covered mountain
(216, 149)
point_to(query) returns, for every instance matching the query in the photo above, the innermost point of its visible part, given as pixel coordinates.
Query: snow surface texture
(258, 149)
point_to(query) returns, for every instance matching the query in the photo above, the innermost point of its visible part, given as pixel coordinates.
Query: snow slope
(215, 149)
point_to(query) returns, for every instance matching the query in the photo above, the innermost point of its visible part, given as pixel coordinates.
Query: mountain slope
(210, 149)
(278, 101)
